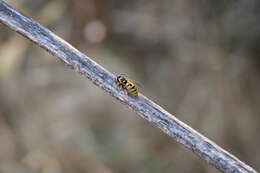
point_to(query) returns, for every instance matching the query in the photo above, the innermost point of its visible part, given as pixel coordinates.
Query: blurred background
(197, 59)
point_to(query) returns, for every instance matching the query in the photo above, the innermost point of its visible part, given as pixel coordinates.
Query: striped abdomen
(131, 89)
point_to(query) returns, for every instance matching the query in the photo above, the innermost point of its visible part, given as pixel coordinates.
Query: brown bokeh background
(197, 59)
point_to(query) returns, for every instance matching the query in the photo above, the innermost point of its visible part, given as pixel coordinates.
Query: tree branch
(147, 109)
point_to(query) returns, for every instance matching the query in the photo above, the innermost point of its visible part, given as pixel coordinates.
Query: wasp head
(121, 80)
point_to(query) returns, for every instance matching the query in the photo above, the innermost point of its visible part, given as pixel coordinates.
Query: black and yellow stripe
(131, 88)
(128, 86)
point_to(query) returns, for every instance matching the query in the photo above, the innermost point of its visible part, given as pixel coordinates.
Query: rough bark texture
(147, 109)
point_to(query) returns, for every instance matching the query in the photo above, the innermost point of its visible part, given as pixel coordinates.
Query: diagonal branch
(147, 109)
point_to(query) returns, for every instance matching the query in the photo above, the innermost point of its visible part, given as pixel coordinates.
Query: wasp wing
(136, 83)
